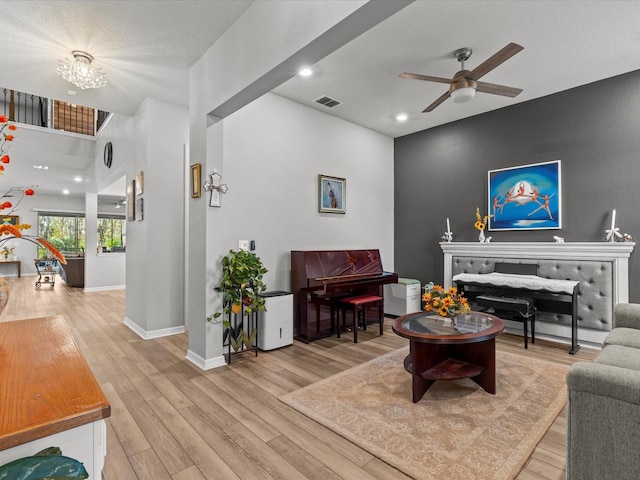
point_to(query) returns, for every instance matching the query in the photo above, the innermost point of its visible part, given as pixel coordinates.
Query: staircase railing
(43, 112)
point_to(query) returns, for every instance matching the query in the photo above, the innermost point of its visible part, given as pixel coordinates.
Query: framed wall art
(139, 183)
(131, 200)
(526, 197)
(10, 219)
(332, 194)
(196, 189)
(140, 209)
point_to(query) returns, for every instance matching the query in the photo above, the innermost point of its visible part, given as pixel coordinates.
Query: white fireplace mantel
(616, 252)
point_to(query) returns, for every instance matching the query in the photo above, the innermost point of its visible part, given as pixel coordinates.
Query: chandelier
(80, 72)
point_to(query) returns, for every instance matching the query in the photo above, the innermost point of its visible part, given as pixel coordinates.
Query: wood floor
(171, 420)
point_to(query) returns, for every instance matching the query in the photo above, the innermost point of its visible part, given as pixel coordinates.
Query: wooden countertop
(46, 385)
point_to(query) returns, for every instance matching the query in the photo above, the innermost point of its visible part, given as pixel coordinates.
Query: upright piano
(331, 274)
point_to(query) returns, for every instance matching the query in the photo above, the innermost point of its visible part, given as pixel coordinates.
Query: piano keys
(319, 278)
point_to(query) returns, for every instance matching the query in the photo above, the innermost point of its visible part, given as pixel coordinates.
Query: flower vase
(447, 321)
(481, 237)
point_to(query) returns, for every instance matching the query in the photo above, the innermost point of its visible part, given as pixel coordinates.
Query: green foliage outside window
(111, 234)
(65, 232)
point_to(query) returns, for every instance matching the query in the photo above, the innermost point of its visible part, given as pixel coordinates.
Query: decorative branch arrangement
(5, 139)
(8, 232)
(14, 192)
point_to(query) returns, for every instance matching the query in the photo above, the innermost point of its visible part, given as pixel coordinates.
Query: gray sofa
(603, 415)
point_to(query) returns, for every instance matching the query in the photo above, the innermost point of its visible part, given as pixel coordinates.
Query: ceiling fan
(464, 84)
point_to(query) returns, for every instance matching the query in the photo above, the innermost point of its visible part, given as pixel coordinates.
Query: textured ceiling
(566, 44)
(146, 48)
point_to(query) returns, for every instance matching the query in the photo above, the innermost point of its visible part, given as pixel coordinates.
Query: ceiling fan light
(463, 94)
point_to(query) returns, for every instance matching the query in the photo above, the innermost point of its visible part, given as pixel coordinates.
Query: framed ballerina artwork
(527, 197)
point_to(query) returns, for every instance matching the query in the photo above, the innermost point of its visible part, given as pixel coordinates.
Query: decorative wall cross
(216, 188)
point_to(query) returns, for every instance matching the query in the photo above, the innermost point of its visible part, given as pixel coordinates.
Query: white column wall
(155, 269)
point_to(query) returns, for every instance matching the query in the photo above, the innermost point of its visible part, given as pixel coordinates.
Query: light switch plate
(243, 245)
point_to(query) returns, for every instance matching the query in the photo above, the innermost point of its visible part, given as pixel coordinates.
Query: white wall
(274, 150)
(155, 245)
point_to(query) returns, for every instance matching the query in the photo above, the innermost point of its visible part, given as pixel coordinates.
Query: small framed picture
(196, 189)
(139, 183)
(131, 199)
(10, 219)
(140, 209)
(332, 194)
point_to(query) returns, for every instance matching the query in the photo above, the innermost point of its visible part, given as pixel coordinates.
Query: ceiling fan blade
(498, 89)
(437, 102)
(417, 76)
(497, 59)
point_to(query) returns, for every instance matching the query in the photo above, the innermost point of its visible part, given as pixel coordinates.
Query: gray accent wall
(442, 172)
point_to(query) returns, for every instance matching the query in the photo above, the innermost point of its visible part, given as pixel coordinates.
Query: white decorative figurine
(448, 235)
(558, 239)
(613, 232)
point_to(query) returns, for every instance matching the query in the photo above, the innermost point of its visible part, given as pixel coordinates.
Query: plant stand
(242, 334)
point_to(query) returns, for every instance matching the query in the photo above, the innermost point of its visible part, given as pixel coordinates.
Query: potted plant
(241, 284)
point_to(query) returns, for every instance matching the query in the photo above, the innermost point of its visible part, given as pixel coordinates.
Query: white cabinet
(403, 297)
(275, 326)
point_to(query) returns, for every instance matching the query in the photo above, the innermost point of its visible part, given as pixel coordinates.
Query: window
(65, 231)
(111, 233)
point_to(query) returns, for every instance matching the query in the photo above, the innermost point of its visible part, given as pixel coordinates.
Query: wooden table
(440, 351)
(48, 395)
(16, 262)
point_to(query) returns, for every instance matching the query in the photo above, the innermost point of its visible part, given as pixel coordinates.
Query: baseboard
(148, 335)
(205, 364)
(102, 289)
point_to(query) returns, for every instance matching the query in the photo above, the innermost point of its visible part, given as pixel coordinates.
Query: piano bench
(520, 309)
(358, 305)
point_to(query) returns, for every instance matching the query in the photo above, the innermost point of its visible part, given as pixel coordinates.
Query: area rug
(457, 431)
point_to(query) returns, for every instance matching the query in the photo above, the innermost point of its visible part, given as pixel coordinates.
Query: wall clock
(108, 154)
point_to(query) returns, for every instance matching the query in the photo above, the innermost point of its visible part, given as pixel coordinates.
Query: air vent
(327, 101)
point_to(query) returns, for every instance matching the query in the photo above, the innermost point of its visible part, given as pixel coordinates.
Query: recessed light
(41, 167)
(77, 179)
(402, 117)
(306, 72)
(65, 191)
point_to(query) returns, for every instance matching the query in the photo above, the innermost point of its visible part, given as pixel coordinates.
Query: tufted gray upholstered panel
(595, 299)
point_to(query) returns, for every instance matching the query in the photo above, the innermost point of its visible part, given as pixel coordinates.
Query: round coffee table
(440, 351)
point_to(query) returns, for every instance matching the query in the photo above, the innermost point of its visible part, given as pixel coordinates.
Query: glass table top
(430, 324)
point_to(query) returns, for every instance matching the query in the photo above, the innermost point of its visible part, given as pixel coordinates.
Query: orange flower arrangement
(5, 139)
(446, 303)
(9, 232)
